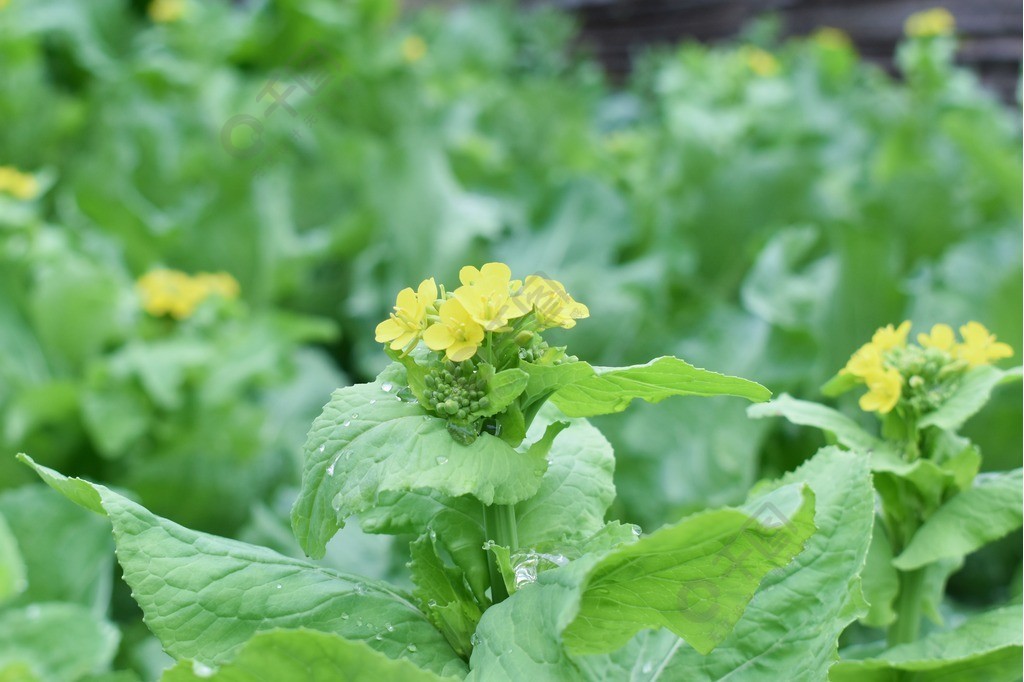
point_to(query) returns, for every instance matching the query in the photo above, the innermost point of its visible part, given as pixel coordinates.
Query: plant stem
(500, 528)
(908, 608)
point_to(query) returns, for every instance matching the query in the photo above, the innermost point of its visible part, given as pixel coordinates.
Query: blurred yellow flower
(930, 23)
(832, 38)
(407, 324)
(866, 360)
(941, 337)
(457, 334)
(979, 346)
(19, 185)
(414, 49)
(887, 338)
(175, 293)
(486, 295)
(552, 304)
(762, 62)
(166, 11)
(884, 389)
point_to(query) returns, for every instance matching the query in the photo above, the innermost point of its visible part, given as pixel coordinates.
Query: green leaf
(502, 389)
(577, 488)
(880, 580)
(611, 389)
(302, 656)
(519, 638)
(805, 413)
(970, 396)
(443, 594)
(711, 563)
(546, 379)
(204, 596)
(969, 520)
(12, 567)
(58, 642)
(457, 521)
(985, 647)
(367, 442)
(791, 627)
(68, 552)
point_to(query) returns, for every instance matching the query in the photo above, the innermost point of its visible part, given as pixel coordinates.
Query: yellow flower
(761, 62)
(19, 185)
(486, 296)
(458, 334)
(407, 324)
(166, 11)
(170, 292)
(866, 360)
(552, 304)
(414, 49)
(831, 38)
(220, 284)
(979, 346)
(887, 338)
(884, 389)
(941, 337)
(930, 23)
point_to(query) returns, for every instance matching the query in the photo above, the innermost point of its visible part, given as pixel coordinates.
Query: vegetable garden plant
(474, 444)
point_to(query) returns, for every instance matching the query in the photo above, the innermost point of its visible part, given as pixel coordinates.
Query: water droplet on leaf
(386, 386)
(442, 460)
(201, 669)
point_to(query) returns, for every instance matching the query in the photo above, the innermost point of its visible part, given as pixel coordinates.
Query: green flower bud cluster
(540, 353)
(455, 391)
(931, 375)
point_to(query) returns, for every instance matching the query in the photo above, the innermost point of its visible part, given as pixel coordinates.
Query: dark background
(618, 30)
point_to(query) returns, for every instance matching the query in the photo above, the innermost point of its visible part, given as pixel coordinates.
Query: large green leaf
(971, 519)
(693, 578)
(204, 596)
(880, 580)
(612, 389)
(12, 566)
(457, 521)
(576, 489)
(58, 642)
(68, 552)
(367, 442)
(303, 656)
(443, 594)
(805, 413)
(792, 625)
(985, 647)
(970, 396)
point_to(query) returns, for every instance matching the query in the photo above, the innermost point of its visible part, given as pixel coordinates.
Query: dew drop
(637, 531)
(359, 622)
(442, 460)
(330, 470)
(431, 604)
(389, 627)
(411, 648)
(648, 667)
(344, 616)
(355, 415)
(322, 448)
(475, 639)
(279, 586)
(386, 386)
(373, 401)
(361, 588)
(201, 669)
(346, 423)
(378, 637)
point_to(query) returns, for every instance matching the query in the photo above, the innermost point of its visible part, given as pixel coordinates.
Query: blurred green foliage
(757, 209)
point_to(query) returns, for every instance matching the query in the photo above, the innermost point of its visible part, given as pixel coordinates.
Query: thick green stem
(500, 528)
(908, 608)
